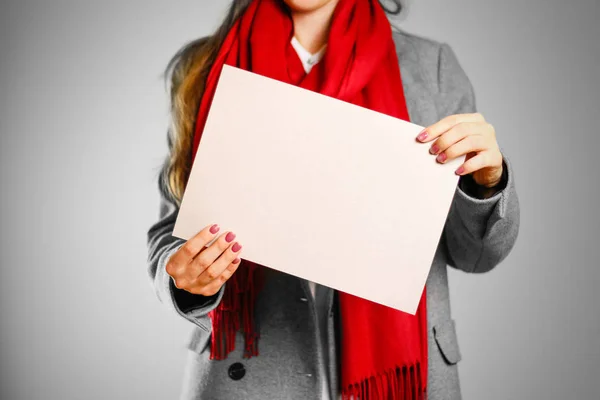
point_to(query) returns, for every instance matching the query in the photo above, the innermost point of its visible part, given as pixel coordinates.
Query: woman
(262, 334)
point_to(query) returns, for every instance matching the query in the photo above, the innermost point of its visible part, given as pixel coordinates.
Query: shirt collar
(308, 60)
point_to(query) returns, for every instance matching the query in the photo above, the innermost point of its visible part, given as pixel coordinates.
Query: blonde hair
(187, 72)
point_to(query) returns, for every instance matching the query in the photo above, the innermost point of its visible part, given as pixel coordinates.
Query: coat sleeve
(479, 232)
(161, 246)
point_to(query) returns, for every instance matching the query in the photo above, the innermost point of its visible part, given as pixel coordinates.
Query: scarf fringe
(235, 313)
(401, 383)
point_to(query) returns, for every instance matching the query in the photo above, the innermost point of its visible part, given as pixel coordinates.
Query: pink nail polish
(214, 229)
(229, 237)
(236, 261)
(460, 170)
(434, 149)
(422, 136)
(442, 157)
(236, 247)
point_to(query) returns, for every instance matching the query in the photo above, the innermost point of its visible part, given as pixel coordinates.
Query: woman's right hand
(202, 270)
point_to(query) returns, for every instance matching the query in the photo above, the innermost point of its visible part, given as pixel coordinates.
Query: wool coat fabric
(478, 235)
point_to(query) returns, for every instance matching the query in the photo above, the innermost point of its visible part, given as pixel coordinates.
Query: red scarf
(383, 351)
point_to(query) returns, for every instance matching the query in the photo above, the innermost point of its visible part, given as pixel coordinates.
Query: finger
(213, 287)
(216, 268)
(433, 131)
(186, 253)
(182, 282)
(454, 135)
(207, 256)
(190, 277)
(481, 160)
(470, 144)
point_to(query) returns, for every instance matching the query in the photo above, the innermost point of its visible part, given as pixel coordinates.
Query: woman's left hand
(470, 135)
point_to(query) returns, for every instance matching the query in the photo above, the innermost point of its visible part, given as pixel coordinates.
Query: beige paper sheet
(319, 188)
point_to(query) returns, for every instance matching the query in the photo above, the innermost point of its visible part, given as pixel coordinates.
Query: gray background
(83, 118)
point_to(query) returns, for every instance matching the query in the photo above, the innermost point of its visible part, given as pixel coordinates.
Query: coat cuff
(479, 211)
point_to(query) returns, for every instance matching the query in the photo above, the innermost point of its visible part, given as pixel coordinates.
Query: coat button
(237, 371)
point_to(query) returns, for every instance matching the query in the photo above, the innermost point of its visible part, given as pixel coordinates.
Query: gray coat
(479, 234)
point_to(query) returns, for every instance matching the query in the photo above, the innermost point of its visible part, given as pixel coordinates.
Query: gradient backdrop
(83, 118)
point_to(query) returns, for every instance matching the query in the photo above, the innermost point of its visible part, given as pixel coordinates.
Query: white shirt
(308, 62)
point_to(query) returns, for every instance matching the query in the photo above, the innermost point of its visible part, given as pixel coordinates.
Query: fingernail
(214, 229)
(236, 247)
(441, 158)
(460, 170)
(236, 261)
(229, 237)
(422, 136)
(434, 149)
